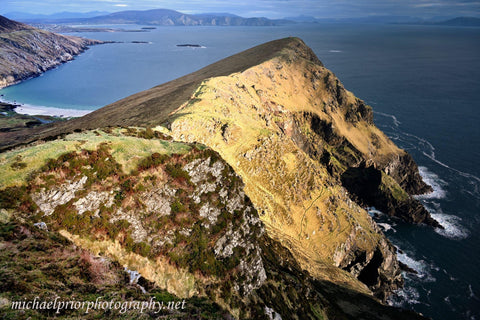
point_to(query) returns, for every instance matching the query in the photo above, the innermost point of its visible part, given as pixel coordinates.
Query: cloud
(427, 5)
(267, 8)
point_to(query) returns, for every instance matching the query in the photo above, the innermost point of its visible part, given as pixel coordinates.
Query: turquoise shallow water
(422, 82)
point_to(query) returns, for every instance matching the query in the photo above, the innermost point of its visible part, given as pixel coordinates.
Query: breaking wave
(407, 295)
(386, 227)
(396, 123)
(374, 212)
(411, 141)
(453, 228)
(420, 266)
(435, 182)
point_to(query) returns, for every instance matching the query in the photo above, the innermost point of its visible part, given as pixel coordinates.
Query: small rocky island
(189, 45)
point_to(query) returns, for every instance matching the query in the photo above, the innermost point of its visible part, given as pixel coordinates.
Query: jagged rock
(158, 200)
(92, 202)
(139, 233)
(210, 213)
(48, 200)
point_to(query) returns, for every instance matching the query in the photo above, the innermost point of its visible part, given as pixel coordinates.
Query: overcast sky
(265, 8)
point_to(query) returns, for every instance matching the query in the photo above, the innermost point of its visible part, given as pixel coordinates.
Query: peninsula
(234, 187)
(27, 52)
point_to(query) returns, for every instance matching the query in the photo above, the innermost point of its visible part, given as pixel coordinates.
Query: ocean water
(422, 81)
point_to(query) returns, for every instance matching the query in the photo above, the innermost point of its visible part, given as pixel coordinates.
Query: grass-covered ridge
(126, 148)
(290, 129)
(120, 168)
(153, 106)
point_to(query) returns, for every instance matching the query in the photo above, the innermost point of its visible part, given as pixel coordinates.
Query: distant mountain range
(446, 21)
(24, 16)
(368, 19)
(461, 21)
(166, 17)
(161, 17)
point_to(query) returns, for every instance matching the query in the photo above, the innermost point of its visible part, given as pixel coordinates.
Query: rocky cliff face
(27, 52)
(291, 131)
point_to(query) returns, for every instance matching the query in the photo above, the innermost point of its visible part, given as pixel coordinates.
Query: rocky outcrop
(182, 220)
(27, 52)
(405, 171)
(373, 187)
(384, 181)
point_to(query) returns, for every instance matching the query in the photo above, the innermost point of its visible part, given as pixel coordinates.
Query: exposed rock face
(48, 199)
(405, 171)
(27, 52)
(187, 212)
(373, 187)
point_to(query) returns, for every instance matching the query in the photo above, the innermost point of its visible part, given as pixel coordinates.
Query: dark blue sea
(422, 81)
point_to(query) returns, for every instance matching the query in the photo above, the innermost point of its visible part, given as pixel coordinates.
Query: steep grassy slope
(42, 264)
(27, 52)
(153, 106)
(291, 131)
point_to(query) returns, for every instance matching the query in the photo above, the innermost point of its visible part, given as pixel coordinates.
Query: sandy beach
(46, 111)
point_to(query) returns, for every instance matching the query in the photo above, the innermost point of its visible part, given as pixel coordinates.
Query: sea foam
(435, 182)
(420, 266)
(49, 111)
(453, 228)
(386, 227)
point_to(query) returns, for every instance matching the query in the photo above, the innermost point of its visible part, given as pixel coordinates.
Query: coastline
(34, 110)
(49, 111)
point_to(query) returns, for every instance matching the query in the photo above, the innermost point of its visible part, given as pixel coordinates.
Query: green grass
(126, 150)
(388, 183)
(103, 173)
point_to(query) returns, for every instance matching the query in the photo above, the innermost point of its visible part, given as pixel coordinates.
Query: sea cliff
(27, 52)
(237, 184)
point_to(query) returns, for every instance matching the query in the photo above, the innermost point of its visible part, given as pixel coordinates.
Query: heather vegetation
(45, 265)
(102, 173)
